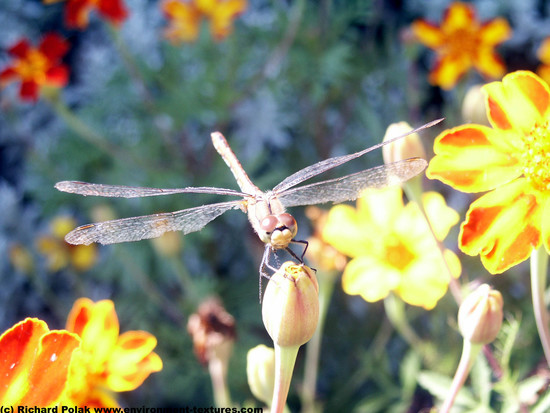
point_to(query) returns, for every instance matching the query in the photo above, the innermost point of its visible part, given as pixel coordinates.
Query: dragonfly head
(278, 230)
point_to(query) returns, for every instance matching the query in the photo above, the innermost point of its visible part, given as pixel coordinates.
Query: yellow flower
(544, 56)
(463, 42)
(59, 254)
(106, 362)
(392, 246)
(185, 18)
(511, 160)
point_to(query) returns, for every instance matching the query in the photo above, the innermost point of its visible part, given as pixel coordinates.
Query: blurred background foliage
(294, 83)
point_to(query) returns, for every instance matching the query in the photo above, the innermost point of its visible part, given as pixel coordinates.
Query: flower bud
(473, 106)
(480, 315)
(290, 309)
(260, 371)
(406, 147)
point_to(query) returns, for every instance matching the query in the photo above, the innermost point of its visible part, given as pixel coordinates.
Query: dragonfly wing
(323, 166)
(123, 191)
(149, 226)
(349, 187)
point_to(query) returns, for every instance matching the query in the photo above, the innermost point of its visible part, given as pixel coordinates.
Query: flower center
(398, 255)
(33, 66)
(535, 157)
(462, 42)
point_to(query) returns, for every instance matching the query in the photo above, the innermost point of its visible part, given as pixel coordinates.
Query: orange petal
(495, 31)
(34, 363)
(49, 373)
(543, 53)
(546, 224)
(458, 16)
(503, 226)
(448, 70)
(474, 158)
(222, 17)
(489, 63)
(428, 34)
(520, 101)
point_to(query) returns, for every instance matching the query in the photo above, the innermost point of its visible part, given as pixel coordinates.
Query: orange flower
(34, 365)
(462, 42)
(77, 11)
(185, 18)
(392, 247)
(37, 66)
(511, 160)
(60, 254)
(544, 56)
(106, 362)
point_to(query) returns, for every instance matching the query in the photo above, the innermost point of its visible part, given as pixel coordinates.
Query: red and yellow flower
(77, 12)
(392, 247)
(60, 254)
(463, 42)
(544, 56)
(36, 67)
(106, 362)
(34, 366)
(512, 161)
(185, 18)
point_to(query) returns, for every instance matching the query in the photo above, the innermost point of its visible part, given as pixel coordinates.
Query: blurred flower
(260, 372)
(462, 42)
(185, 18)
(21, 259)
(168, 244)
(473, 106)
(77, 11)
(480, 315)
(544, 56)
(392, 246)
(34, 365)
(321, 254)
(511, 160)
(290, 308)
(106, 362)
(37, 67)
(213, 332)
(60, 254)
(407, 147)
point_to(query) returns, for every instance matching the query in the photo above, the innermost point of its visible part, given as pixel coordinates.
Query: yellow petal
(370, 278)
(428, 34)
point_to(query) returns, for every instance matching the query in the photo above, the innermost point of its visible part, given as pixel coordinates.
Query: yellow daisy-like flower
(392, 246)
(463, 42)
(544, 56)
(511, 160)
(59, 254)
(185, 18)
(106, 361)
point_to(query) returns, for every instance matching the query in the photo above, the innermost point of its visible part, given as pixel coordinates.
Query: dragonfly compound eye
(269, 223)
(288, 221)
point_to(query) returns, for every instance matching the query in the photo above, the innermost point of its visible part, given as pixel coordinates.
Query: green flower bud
(260, 371)
(480, 315)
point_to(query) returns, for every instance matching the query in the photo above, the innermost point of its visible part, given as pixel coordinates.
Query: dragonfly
(266, 210)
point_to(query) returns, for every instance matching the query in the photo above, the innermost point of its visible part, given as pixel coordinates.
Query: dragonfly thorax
(278, 230)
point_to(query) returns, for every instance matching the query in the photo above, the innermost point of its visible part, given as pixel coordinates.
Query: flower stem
(218, 374)
(313, 347)
(469, 354)
(539, 266)
(285, 357)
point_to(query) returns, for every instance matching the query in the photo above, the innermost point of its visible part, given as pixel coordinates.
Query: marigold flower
(463, 42)
(392, 247)
(106, 362)
(60, 254)
(185, 18)
(510, 160)
(77, 12)
(37, 67)
(544, 56)
(35, 364)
